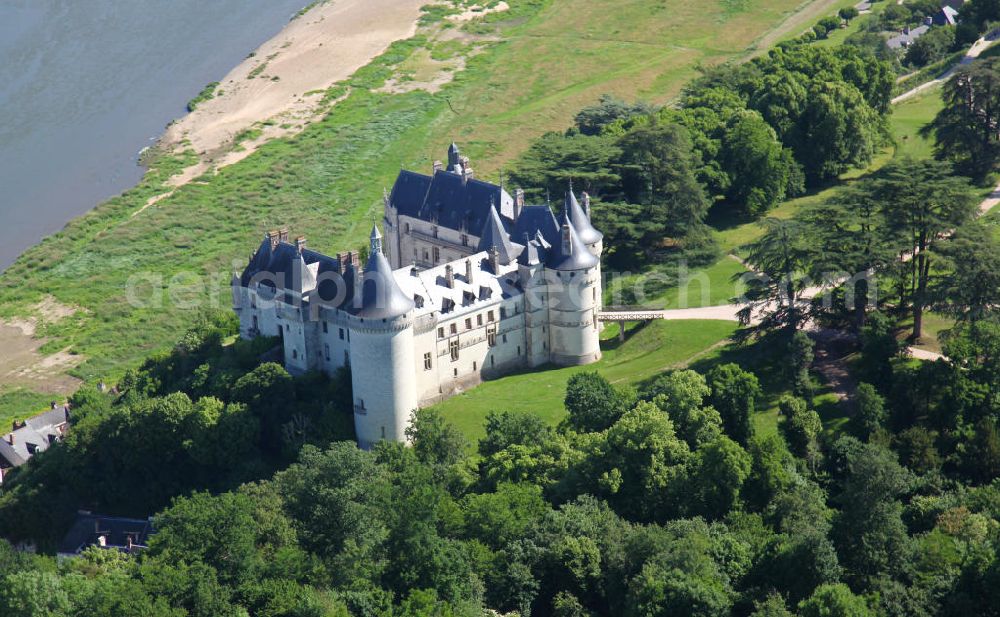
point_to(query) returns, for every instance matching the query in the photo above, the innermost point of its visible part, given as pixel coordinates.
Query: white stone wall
(385, 392)
(574, 335)
(417, 243)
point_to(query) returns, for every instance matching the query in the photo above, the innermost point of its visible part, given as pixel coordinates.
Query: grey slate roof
(88, 528)
(494, 235)
(906, 39)
(449, 200)
(534, 251)
(284, 267)
(381, 297)
(535, 220)
(37, 435)
(570, 253)
(580, 220)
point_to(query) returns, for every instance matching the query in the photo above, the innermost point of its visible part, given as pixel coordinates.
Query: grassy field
(540, 62)
(711, 286)
(648, 350)
(18, 404)
(909, 117)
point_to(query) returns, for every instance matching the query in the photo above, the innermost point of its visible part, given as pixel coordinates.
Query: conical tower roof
(494, 235)
(580, 220)
(381, 297)
(571, 253)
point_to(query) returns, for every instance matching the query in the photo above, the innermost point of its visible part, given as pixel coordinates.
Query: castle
(468, 283)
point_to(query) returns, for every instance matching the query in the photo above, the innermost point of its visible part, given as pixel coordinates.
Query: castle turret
(574, 276)
(581, 221)
(382, 365)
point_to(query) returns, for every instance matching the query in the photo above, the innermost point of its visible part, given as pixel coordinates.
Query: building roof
(88, 529)
(580, 220)
(494, 235)
(948, 15)
(464, 294)
(36, 435)
(381, 297)
(536, 220)
(906, 38)
(450, 198)
(570, 253)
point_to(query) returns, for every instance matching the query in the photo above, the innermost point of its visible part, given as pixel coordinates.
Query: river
(86, 84)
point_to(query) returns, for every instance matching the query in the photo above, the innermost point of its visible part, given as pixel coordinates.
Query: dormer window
(447, 305)
(418, 300)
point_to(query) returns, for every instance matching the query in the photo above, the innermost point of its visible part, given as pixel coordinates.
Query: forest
(667, 498)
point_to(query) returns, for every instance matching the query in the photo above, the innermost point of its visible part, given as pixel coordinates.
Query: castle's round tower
(382, 361)
(579, 218)
(574, 282)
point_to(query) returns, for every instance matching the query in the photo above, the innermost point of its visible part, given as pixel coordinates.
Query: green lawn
(18, 404)
(647, 351)
(909, 117)
(713, 285)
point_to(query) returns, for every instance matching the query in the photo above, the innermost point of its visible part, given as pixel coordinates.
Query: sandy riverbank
(279, 88)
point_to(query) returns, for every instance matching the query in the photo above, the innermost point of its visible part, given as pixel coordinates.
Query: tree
(850, 242)
(757, 165)
(965, 130)
(931, 47)
(646, 465)
(869, 530)
(838, 129)
(800, 358)
(593, 403)
(32, 593)
(801, 427)
(734, 393)
(555, 159)
(780, 257)
(922, 202)
(681, 394)
(658, 172)
(495, 519)
(848, 13)
(834, 601)
(722, 468)
(970, 290)
(826, 25)
(871, 413)
(507, 428)
(609, 110)
(435, 440)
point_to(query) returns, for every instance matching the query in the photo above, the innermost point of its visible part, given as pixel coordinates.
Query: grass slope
(542, 61)
(648, 350)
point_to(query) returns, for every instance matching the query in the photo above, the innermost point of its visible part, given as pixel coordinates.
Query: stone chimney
(468, 271)
(438, 166)
(518, 203)
(283, 234)
(449, 276)
(10, 438)
(586, 203)
(495, 260)
(300, 243)
(273, 236)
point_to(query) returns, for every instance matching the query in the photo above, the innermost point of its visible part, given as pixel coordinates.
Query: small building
(128, 535)
(32, 436)
(906, 38)
(947, 16)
